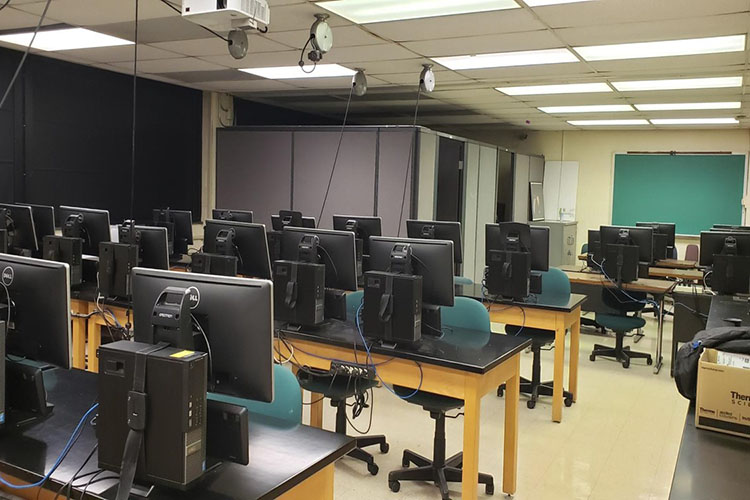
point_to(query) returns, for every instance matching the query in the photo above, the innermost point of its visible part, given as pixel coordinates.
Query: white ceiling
(177, 51)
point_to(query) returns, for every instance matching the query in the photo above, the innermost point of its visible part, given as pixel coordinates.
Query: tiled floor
(619, 441)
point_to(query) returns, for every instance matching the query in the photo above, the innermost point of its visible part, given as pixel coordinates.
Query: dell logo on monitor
(7, 276)
(194, 296)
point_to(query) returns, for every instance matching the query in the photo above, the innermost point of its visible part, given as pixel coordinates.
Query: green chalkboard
(693, 191)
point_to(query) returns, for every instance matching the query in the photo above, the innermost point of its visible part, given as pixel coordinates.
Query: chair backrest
(353, 300)
(287, 398)
(466, 313)
(692, 253)
(555, 287)
(674, 254)
(462, 280)
(585, 248)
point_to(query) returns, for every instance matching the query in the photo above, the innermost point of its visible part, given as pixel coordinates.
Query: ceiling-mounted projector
(227, 15)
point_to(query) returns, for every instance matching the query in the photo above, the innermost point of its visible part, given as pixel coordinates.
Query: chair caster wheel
(373, 469)
(500, 391)
(626, 363)
(384, 447)
(395, 486)
(405, 463)
(649, 361)
(530, 404)
(592, 357)
(489, 489)
(568, 402)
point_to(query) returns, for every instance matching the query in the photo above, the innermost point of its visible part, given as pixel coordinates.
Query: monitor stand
(25, 397)
(432, 324)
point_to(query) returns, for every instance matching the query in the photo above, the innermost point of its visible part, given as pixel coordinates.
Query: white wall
(594, 151)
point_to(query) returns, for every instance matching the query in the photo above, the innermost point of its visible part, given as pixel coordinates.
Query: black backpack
(729, 339)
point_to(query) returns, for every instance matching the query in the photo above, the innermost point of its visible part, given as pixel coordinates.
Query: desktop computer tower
(731, 274)
(219, 265)
(508, 274)
(2, 374)
(116, 260)
(659, 246)
(3, 241)
(359, 247)
(393, 307)
(67, 250)
(173, 451)
(621, 263)
(299, 292)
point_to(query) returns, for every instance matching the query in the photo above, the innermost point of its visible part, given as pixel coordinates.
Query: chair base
(361, 442)
(426, 470)
(620, 353)
(541, 389)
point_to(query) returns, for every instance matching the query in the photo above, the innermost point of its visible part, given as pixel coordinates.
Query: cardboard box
(723, 397)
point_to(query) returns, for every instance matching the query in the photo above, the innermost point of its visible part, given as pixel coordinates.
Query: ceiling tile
(170, 65)
(215, 46)
(389, 52)
(93, 12)
(262, 85)
(120, 53)
(164, 29)
(343, 36)
(484, 44)
(12, 19)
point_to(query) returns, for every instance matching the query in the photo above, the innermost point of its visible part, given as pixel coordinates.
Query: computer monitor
(363, 227)
(244, 240)
(729, 227)
(437, 230)
(536, 243)
(19, 222)
(728, 254)
(336, 249)
(39, 291)
(89, 224)
(153, 247)
(180, 222)
(712, 243)
(642, 237)
(232, 215)
(44, 221)
(540, 248)
(665, 228)
(235, 314)
(595, 257)
(291, 218)
(431, 259)
(309, 222)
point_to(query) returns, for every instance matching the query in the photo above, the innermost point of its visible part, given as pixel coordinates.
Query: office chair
(462, 280)
(620, 323)
(673, 254)
(466, 314)
(692, 253)
(339, 389)
(555, 290)
(585, 248)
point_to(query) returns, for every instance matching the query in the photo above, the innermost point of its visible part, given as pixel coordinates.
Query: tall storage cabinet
(562, 242)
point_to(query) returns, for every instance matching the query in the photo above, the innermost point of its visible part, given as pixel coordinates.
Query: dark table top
(476, 291)
(282, 455)
(87, 292)
(711, 465)
(461, 349)
(728, 306)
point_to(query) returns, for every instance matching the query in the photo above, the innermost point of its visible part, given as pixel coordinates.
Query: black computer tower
(393, 307)
(274, 245)
(3, 241)
(219, 265)
(359, 247)
(173, 452)
(2, 374)
(68, 250)
(621, 263)
(731, 274)
(659, 246)
(508, 274)
(116, 261)
(299, 292)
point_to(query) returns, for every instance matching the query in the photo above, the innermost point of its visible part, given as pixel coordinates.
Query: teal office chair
(465, 314)
(620, 323)
(287, 398)
(339, 389)
(555, 290)
(462, 280)
(585, 248)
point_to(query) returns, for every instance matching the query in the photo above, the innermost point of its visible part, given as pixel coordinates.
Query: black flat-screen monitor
(729, 227)
(153, 247)
(93, 228)
(437, 230)
(232, 215)
(236, 316)
(250, 242)
(712, 243)
(431, 259)
(642, 237)
(44, 221)
(291, 218)
(39, 293)
(533, 239)
(182, 223)
(366, 226)
(20, 224)
(336, 249)
(666, 228)
(595, 248)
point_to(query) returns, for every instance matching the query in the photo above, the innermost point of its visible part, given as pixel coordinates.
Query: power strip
(352, 370)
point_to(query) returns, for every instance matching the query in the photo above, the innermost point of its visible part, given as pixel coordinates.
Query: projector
(227, 15)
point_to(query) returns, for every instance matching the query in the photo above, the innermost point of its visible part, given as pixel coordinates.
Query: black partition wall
(267, 169)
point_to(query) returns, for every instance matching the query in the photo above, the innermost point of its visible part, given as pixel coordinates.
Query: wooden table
(463, 364)
(659, 289)
(676, 273)
(287, 461)
(676, 263)
(79, 309)
(94, 327)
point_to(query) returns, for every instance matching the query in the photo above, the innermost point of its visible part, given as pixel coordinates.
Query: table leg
(559, 375)
(470, 477)
(659, 336)
(316, 410)
(319, 486)
(95, 340)
(575, 335)
(79, 343)
(510, 447)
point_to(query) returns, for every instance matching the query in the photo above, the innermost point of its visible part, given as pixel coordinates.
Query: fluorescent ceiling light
(695, 121)
(681, 84)
(504, 59)
(286, 72)
(542, 3)
(376, 11)
(64, 39)
(568, 88)
(679, 106)
(586, 123)
(666, 48)
(597, 108)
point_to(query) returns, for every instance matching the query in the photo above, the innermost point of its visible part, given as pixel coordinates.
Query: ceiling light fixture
(376, 11)
(505, 59)
(290, 72)
(568, 88)
(665, 48)
(695, 121)
(64, 39)
(596, 108)
(544, 3)
(680, 106)
(680, 84)
(601, 123)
